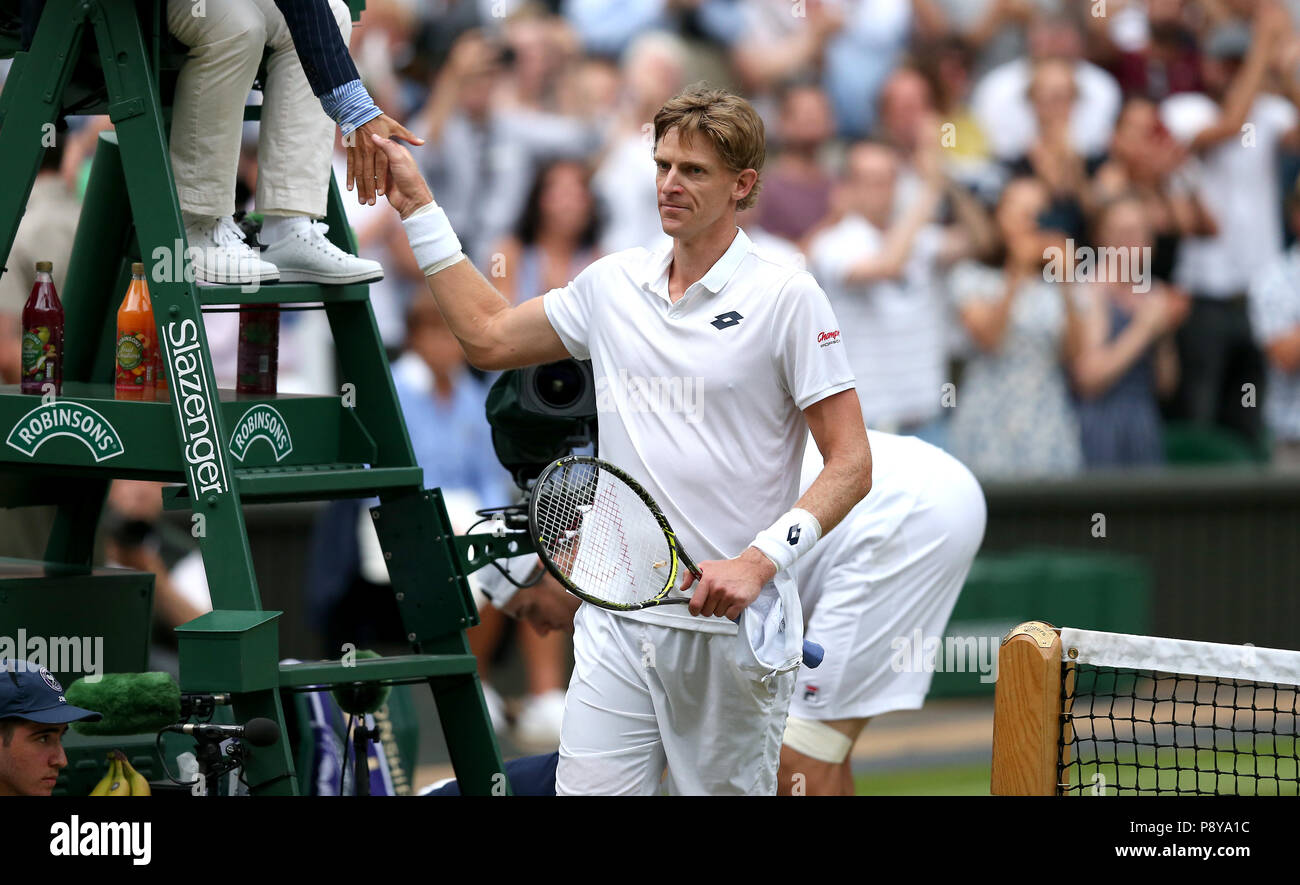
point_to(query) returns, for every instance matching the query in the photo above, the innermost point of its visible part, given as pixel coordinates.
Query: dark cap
(32, 693)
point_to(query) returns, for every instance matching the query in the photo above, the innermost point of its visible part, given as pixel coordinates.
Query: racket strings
(601, 535)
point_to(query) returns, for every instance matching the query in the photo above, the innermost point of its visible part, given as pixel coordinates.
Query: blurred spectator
(555, 237)
(443, 405)
(797, 188)
(607, 28)
(773, 45)
(1013, 415)
(1146, 161)
(1236, 133)
(1275, 319)
(486, 134)
(136, 537)
(1052, 157)
(654, 70)
(860, 57)
(1002, 105)
(1166, 58)
(907, 124)
(45, 233)
(998, 29)
(777, 248)
(882, 271)
(946, 65)
(1127, 359)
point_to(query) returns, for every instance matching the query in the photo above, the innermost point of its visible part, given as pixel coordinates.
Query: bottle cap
(45, 267)
(137, 268)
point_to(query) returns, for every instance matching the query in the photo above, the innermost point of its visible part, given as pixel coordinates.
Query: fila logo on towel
(826, 339)
(792, 537)
(726, 320)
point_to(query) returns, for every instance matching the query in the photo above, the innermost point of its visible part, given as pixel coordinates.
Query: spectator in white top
(654, 69)
(1236, 132)
(1001, 100)
(882, 269)
(1275, 319)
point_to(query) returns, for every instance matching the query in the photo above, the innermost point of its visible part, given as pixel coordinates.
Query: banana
(139, 786)
(101, 788)
(120, 785)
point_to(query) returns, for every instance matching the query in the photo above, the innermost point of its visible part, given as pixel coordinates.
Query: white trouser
(296, 137)
(643, 697)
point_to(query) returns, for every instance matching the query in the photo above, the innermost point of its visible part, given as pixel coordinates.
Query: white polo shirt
(701, 401)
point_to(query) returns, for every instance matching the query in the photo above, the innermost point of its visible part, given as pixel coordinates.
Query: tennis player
(715, 361)
(895, 566)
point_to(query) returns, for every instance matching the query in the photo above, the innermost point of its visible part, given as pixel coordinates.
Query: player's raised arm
(493, 333)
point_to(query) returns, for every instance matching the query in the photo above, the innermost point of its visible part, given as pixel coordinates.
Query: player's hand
(728, 586)
(404, 186)
(367, 165)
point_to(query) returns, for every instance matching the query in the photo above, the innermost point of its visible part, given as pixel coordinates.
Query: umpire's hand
(403, 184)
(367, 165)
(728, 586)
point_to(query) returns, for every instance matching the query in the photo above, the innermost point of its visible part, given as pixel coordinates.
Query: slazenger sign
(58, 418)
(261, 422)
(200, 447)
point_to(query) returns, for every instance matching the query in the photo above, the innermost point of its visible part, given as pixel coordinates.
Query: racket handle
(812, 654)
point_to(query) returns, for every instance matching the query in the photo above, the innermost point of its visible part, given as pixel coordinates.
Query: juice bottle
(42, 334)
(136, 342)
(256, 364)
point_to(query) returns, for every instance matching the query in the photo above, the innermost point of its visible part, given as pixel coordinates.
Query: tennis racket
(607, 542)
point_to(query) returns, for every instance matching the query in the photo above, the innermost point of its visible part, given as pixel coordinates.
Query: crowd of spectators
(1054, 233)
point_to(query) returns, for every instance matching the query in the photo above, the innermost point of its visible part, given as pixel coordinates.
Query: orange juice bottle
(136, 342)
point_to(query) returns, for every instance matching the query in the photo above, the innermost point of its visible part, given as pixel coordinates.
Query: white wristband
(789, 538)
(432, 240)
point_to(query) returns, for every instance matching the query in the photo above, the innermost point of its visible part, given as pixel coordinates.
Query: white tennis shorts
(871, 593)
(644, 697)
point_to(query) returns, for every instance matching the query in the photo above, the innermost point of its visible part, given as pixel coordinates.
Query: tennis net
(1081, 712)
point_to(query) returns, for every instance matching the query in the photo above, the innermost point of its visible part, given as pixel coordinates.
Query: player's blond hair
(729, 123)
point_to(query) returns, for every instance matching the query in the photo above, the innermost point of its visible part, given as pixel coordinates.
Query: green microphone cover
(362, 698)
(132, 703)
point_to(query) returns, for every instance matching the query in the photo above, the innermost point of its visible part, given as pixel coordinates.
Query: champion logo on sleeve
(826, 339)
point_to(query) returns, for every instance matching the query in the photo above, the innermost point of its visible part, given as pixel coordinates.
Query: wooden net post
(1027, 712)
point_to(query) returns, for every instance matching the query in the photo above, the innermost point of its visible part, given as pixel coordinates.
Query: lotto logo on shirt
(826, 339)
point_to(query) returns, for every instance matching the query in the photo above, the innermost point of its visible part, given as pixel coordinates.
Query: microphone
(258, 732)
(131, 703)
(136, 703)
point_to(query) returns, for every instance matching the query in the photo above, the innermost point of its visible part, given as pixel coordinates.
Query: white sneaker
(220, 255)
(304, 255)
(538, 725)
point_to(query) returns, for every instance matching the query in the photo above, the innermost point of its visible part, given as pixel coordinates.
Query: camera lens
(560, 385)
